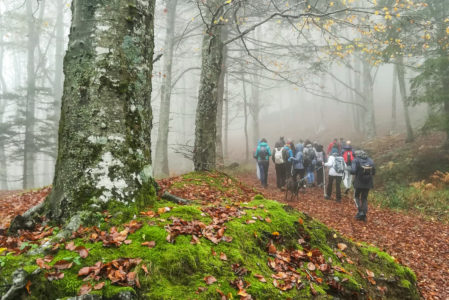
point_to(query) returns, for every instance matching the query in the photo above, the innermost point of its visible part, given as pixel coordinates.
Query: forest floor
(415, 241)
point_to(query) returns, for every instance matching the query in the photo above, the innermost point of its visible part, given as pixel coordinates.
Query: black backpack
(263, 153)
(366, 172)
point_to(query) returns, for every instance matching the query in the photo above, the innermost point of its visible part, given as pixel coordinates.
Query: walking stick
(324, 180)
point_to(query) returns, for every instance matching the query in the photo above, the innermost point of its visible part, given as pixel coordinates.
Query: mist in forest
(283, 78)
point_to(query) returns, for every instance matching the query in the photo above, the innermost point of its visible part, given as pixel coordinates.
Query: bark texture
(161, 161)
(204, 152)
(104, 149)
(402, 89)
(220, 102)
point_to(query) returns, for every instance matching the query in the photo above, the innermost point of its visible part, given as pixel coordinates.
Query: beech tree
(104, 136)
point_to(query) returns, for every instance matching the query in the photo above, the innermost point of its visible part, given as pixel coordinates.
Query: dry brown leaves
(16, 203)
(117, 271)
(416, 242)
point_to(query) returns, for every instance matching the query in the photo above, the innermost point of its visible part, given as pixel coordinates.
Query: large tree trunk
(104, 151)
(220, 97)
(226, 121)
(161, 162)
(401, 79)
(206, 113)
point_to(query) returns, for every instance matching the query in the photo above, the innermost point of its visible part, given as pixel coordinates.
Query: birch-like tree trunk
(402, 89)
(245, 116)
(104, 151)
(161, 159)
(204, 152)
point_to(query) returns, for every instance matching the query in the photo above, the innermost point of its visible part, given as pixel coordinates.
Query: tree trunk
(393, 101)
(401, 79)
(3, 90)
(206, 113)
(370, 122)
(104, 151)
(226, 126)
(220, 97)
(29, 142)
(161, 162)
(245, 115)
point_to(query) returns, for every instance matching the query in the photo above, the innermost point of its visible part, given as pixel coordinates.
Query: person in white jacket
(336, 165)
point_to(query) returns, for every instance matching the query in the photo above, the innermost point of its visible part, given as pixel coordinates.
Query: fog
(286, 80)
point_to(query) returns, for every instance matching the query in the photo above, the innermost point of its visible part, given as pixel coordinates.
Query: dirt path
(418, 243)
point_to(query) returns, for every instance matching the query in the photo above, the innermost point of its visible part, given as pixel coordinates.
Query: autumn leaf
(99, 286)
(84, 271)
(41, 264)
(370, 273)
(85, 289)
(272, 249)
(62, 265)
(27, 286)
(268, 220)
(260, 278)
(54, 276)
(342, 246)
(223, 256)
(311, 266)
(150, 244)
(70, 246)
(82, 251)
(210, 279)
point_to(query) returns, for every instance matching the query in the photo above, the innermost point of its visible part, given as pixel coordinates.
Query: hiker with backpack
(336, 166)
(363, 168)
(298, 163)
(280, 159)
(320, 160)
(348, 156)
(262, 156)
(309, 162)
(291, 150)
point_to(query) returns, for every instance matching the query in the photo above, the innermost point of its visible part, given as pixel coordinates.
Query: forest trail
(420, 244)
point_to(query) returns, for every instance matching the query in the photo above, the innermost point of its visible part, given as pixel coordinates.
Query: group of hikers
(305, 163)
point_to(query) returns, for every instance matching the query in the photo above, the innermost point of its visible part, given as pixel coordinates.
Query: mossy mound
(254, 248)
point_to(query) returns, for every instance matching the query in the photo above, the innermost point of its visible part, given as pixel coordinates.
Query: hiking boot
(360, 218)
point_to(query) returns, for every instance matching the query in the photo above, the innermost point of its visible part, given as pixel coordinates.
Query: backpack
(320, 157)
(263, 153)
(279, 156)
(339, 165)
(348, 158)
(308, 156)
(366, 172)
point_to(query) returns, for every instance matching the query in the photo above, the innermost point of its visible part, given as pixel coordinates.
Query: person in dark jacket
(298, 163)
(262, 155)
(320, 160)
(364, 169)
(280, 158)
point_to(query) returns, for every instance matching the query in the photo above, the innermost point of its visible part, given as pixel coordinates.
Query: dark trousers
(280, 175)
(337, 188)
(263, 168)
(319, 175)
(361, 196)
(298, 173)
(288, 170)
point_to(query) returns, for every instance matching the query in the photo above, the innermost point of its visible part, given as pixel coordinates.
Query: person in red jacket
(348, 156)
(333, 145)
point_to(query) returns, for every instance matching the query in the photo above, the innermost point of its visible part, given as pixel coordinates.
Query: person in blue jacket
(298, 163)
(263, 154)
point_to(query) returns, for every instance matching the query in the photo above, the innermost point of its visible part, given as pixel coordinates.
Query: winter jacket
(330, 164)
(298, 162)
(257, 155)
(362, 181)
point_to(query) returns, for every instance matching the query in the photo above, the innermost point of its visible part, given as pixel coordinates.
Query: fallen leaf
(85, 289)
(41, 264)
(342, 246)
(54, 276)
(82, 251)
(150, 244)
(260, 278)
(268, 220)
(27, 286)
(311, 266)
(210, 279)
(127, 242)
(62, 265)
(70, 246)
(99, 286)
(84, 271)
(272, 249)
(370, 273)
(223, 256)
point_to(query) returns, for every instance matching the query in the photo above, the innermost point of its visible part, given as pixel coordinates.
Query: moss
(405, 283)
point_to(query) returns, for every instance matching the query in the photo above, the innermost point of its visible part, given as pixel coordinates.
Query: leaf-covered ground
(229, 243)
(421, 244)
